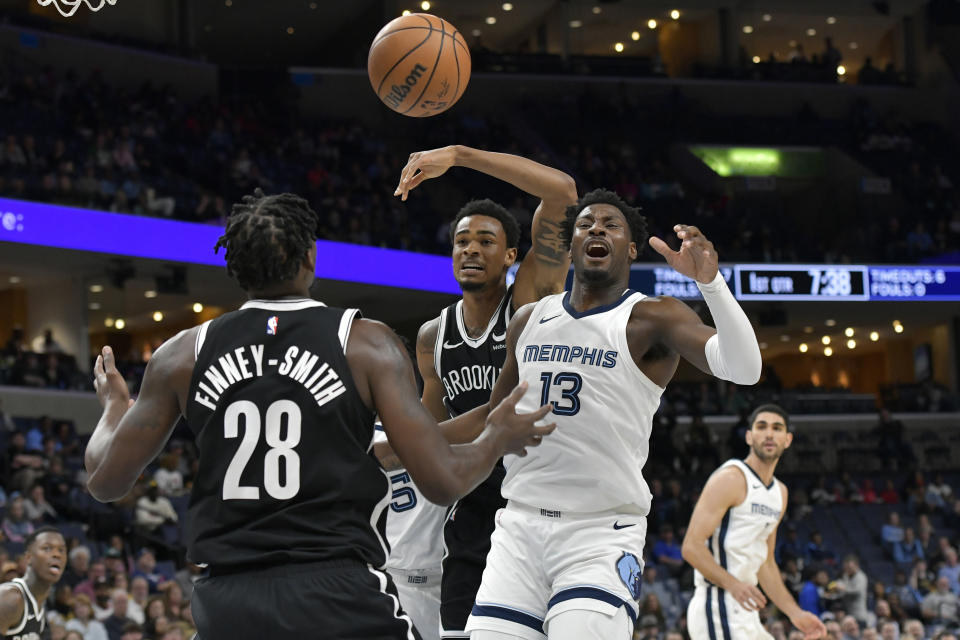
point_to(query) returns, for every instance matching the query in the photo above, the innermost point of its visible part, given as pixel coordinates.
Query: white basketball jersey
(739, 544)
(603, 407)
(414, 524)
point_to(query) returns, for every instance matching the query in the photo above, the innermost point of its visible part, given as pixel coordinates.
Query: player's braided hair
(635, 220)
(267, 238)
(489, 208)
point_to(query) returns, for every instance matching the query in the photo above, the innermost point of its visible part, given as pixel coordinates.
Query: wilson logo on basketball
(398, 93)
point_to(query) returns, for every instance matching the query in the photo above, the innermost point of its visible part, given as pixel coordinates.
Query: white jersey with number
(414, 524)
(603, 408)
(739, 543)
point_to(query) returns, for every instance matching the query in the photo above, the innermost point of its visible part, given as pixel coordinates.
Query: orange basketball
(419, 65)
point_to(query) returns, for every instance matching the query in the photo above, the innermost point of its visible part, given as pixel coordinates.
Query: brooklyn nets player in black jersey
(460, 353)
(288, 505)
(21, 600)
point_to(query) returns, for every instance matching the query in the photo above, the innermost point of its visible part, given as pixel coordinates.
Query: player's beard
(764, 456)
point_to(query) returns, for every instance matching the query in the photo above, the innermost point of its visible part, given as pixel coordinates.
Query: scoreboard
(812, 282)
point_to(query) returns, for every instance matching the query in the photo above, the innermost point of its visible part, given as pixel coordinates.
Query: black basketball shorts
(332, 600)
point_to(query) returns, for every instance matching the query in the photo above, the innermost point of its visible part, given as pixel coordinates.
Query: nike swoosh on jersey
(542, 320)
(758, 486)
(499, 337)
(447, 345)
(618, 526)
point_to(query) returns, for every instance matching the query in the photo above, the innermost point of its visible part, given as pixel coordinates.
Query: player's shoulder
(729, 480)
(658, 307)
(11, 604)
(427, 335)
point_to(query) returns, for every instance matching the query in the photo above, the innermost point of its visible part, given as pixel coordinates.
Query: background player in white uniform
(22, 615)
(416, 549)
(565, 560)
(731, 538)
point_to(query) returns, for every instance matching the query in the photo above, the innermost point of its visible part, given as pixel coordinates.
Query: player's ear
(632, 251)
(511, 256)
(749, 437)
(789, 440)
(310, 262)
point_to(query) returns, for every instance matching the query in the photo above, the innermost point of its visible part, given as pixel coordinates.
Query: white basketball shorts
(713, 614)
(543, 563)
(419, 593)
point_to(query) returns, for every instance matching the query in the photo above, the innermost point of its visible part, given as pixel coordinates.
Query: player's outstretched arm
(11, 608)
(384, 378)
(131, 434)
(544, 268)
(772, 583)
(725, 488)
(729, 352)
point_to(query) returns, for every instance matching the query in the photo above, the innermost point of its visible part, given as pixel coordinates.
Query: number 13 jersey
(603, 407)
(286, 470)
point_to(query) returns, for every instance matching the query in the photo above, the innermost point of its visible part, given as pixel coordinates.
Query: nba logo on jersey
(272, 323)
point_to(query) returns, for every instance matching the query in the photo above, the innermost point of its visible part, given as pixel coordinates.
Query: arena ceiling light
(14, 279)
(803, 347)
(849, 331)
(854, 45)
(150, 293)
(675, 14)
(651, 23)
(767, 17)
(825, 340)
(425, 5)
(576, 24)
(748, 29)
(197, 307)
(827, 351)
(635, 36)
(491, 20)
(120, 323)
(830, 322)
(506, 6)
(94, 306)
(874, 336)
(811, 32)
(157, 316)
(841, 70)
(108, 322)
(597, 10)
(96, 288)
(831, 20)
(618, 47)
(851, 344)
(756, 59)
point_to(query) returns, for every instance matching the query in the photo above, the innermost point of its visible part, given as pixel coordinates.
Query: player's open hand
(110, 386)
(424, 165)
(748, 595)
(810, 624)
(517, 431)
(696, 258)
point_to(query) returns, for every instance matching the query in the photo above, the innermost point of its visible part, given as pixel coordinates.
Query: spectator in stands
(889, 630)
(666, 592)
(139, 592)
(46, 343)
(850, 628)
(666, 552)
(909, 597)
(820, 494)
(16, 527)
(117, 620)
(921, 578)
(37, 509)
(792, 577)
(892, 532)
(883, 613)
(132, 631)
(810, 598)
(915, 628)
(102, 598)
(789, 547)
(83, 621)
(889, 495)
(95, 572)
(868, 493)
(939, 493)
(833, 627)
(869, 633)
(908, 550)
(853, 587)
(951, 570)
(817, 552)
(154, 510)
(147, 568)
(77, 567)
(941, 607)
(168, 477)
(23, 468)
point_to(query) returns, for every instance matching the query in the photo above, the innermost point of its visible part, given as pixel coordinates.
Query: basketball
(419, 65)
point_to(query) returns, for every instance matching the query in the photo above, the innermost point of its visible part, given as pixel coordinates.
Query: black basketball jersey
(286, 471)
(33, 622)
(469, 367)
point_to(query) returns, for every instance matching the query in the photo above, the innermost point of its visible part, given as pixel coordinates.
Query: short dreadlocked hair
(491, 209)
(267, 238)
(635, 220)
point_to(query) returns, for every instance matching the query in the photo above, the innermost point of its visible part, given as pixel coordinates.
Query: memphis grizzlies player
(416, 549)
(731, 538)
(461, 352)
(22, 615)
(565, 561)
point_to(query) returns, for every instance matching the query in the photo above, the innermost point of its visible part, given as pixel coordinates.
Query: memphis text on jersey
(244, 363)
(565, 353)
